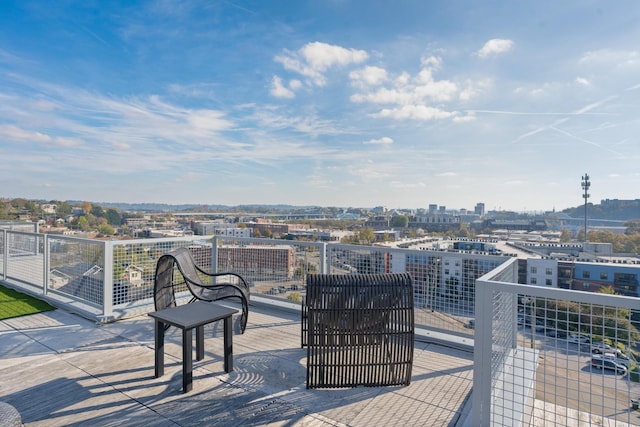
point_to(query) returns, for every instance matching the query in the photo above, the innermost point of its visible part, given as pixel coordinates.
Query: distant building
(384, 235)
(275, 262)
(48, 208)
(208, 228)
(379, 222)
(435, 222)
(234, 232)
(542, 272)
(133, 275)
(264, 261)
(622, 277)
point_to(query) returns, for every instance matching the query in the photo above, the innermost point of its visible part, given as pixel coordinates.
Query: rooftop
(58, 368)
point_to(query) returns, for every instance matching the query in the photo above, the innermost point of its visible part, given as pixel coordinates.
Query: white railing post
(5, 254)
(45, 264)
(107, 284)
(324, 264)
(481, 397)
(214, 254)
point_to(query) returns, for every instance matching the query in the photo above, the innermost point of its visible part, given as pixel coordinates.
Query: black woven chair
(359, 329)
(223, 285)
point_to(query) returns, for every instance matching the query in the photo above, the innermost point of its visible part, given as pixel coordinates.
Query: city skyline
(338, 103)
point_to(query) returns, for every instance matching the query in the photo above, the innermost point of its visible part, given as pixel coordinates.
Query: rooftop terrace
(60, 369)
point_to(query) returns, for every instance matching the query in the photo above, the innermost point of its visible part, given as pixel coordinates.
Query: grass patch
(15, 304)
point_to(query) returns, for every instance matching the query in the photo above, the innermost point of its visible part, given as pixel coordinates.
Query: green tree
(400, 221)
(463, 230)
(294, 296)
(83, 223)
(633, 227)
(106, 230)
(62, 208)
(113, 217)
(367, 236)
(97, 211)
(86, 207)
(565, 235)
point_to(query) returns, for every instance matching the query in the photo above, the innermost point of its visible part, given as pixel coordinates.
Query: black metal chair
(359, 329)
(223, 285)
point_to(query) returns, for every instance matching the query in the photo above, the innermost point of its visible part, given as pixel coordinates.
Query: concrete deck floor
(60, 369)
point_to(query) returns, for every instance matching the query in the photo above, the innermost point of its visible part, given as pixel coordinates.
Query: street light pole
(585, 186)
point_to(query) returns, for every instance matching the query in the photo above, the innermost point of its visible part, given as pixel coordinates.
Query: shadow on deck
(57, 368)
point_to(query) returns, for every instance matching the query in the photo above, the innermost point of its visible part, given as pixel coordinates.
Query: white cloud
(385, 140)
(418, 97)
(582, 81)
(313, 59)
(15, 133)
(368, 76)
(610, 57)
(431, 62)
(208, 120)
(69, 142)
(406, 90)
(464, 119)
(278, 90)
(415, 112)
(321, 56)
(495, 47)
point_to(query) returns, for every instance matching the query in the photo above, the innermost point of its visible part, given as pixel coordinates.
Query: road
(565, 378)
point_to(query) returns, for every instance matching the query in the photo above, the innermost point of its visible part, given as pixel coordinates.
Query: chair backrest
(351, 315)
(187, 265)
(164, 292)
(219, 286)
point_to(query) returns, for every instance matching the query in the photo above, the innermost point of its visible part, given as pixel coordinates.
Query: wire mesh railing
(542, 356)
(556, 357)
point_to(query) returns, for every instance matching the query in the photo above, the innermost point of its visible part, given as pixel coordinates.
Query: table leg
(159, 353)
(200, 343)
(187, 360)
(228, 345)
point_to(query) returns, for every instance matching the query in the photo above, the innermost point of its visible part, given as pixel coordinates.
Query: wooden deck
(59, 369)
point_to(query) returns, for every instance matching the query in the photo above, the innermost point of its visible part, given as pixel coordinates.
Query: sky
(341, 103)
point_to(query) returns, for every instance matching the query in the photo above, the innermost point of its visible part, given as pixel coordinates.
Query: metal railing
(556, 357)
(532, 364)
(114, 279)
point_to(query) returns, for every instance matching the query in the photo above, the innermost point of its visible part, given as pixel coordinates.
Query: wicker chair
(359, 329)
(224, 285)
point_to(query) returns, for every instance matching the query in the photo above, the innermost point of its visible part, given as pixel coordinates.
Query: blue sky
(334, 103)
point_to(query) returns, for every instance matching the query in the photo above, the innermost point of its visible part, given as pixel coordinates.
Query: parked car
(600, 347)
(554, 333)
(604, 363)
(619, 354)
(616, 358)
(578, 339)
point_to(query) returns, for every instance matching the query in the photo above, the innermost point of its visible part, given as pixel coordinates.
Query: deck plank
(61, 369)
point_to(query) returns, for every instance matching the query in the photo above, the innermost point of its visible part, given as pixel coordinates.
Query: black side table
(187, 317)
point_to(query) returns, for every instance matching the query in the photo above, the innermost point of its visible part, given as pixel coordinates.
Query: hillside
(608, 209)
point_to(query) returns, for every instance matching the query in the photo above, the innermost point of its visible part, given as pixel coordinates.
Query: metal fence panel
(556, 357)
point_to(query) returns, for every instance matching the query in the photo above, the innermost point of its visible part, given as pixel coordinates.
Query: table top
(192, 315)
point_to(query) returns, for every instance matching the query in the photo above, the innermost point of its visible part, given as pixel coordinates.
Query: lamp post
(585, 187)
